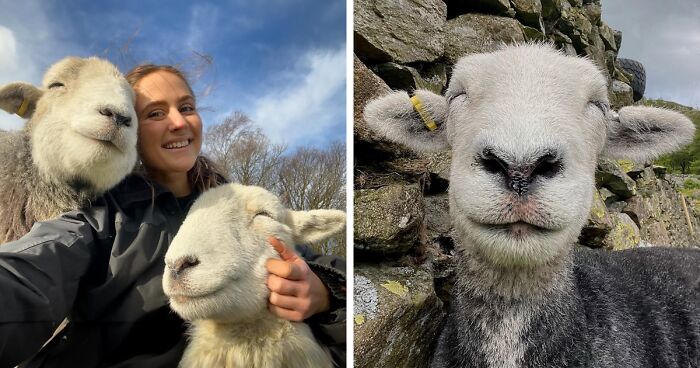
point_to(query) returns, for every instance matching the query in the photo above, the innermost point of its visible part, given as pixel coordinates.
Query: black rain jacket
(102, 267)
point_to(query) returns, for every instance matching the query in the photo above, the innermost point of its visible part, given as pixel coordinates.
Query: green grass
(686, 161)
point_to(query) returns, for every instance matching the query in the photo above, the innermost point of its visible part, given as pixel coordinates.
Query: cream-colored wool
(79, 141)
(224, 294)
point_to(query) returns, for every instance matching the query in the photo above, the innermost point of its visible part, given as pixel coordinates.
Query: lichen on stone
(366, 297)
(395, 287)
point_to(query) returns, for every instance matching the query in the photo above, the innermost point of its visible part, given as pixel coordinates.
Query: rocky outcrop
(403, 235)
(475, 33)
(397, 314)
(389, 218)
(400, 31)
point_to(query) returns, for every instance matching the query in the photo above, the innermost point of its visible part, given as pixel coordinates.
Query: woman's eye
(56, 85)
(187, 108)
(155, 114)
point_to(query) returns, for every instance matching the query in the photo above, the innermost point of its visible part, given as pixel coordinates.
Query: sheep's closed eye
(262, 213)
(56, 85)
(461, 94)
(602, 106)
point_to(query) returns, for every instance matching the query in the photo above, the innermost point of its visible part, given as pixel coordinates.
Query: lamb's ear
(642, 133)
(19, 98)
(417, 122)
(315, 225)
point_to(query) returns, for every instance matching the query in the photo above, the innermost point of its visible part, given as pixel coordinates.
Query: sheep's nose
(520, 176)
(181, 265)
(118, 119)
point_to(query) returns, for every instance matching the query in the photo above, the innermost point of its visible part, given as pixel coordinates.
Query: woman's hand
(296, 293)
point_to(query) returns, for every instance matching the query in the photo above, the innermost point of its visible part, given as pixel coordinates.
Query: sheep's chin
(217, 305)
(514, 244)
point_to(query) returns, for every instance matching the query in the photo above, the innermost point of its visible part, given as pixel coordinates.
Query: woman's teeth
(179, 144)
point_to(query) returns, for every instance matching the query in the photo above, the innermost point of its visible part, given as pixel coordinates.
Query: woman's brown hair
(205, 173)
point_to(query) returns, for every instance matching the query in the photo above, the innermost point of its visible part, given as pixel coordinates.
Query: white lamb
(526, 125)
(80, 141)
(216, 278)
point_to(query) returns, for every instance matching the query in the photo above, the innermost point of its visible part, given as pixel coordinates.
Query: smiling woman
(170, 129)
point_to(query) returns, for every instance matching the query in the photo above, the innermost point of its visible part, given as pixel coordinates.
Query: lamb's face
(526, 126)
(525, 138)
(219, 273)
(84, 126)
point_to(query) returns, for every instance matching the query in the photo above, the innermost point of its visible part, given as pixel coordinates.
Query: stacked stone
(397, 313)
(638, 206)
(403, 243)
(413, 44)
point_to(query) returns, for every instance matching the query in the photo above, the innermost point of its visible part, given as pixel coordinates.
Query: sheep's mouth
(518, 229)
(182, 298)
(108, 140)
(105, 142)
(181, 295)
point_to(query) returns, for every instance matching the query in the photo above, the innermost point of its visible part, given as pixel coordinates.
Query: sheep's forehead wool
(72, 68)
(529, 73)
(240, 200)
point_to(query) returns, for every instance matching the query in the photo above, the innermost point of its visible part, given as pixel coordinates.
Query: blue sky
(282, 62)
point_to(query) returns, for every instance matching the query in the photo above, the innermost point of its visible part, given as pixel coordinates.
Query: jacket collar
(135, 188)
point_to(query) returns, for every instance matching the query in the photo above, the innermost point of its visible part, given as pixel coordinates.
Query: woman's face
(170, 129)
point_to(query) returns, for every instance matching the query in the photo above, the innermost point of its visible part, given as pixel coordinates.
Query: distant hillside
(686, 161)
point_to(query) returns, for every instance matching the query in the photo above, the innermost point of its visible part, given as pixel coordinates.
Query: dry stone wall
(403, 236)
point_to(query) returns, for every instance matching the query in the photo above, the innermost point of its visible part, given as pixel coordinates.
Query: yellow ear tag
(418, 106)
(23, 107)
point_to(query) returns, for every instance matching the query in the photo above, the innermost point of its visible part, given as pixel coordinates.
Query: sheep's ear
(19, 98)
(417, 122)
(315, 225)
(642, 133)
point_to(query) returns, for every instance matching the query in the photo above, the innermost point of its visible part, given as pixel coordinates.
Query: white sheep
(216, 278)
(80, 141)
(526, 126)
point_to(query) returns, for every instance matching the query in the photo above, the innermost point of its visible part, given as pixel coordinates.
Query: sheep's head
(215, 266)
(526, 126)
(82, 122)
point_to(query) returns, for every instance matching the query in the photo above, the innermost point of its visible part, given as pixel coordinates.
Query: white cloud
(203, 21)
(303, 109)
(8, 49)
(30, 41)
(9, 65)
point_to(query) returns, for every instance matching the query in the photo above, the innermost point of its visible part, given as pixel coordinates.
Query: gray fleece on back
(25, 197)
(633, 308)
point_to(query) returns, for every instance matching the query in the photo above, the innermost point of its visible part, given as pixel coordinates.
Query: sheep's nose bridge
(181, 265)
(519, 183)
(519, 174)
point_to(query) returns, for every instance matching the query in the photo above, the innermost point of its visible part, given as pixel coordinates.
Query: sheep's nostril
(547, 166)
(122, 120)
(118, 119)
(106, 112)
(183, 264)
(492, 163)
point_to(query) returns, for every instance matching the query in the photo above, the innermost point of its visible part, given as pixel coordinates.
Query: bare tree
(244, 151)
(307, 179)
(312, 178)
